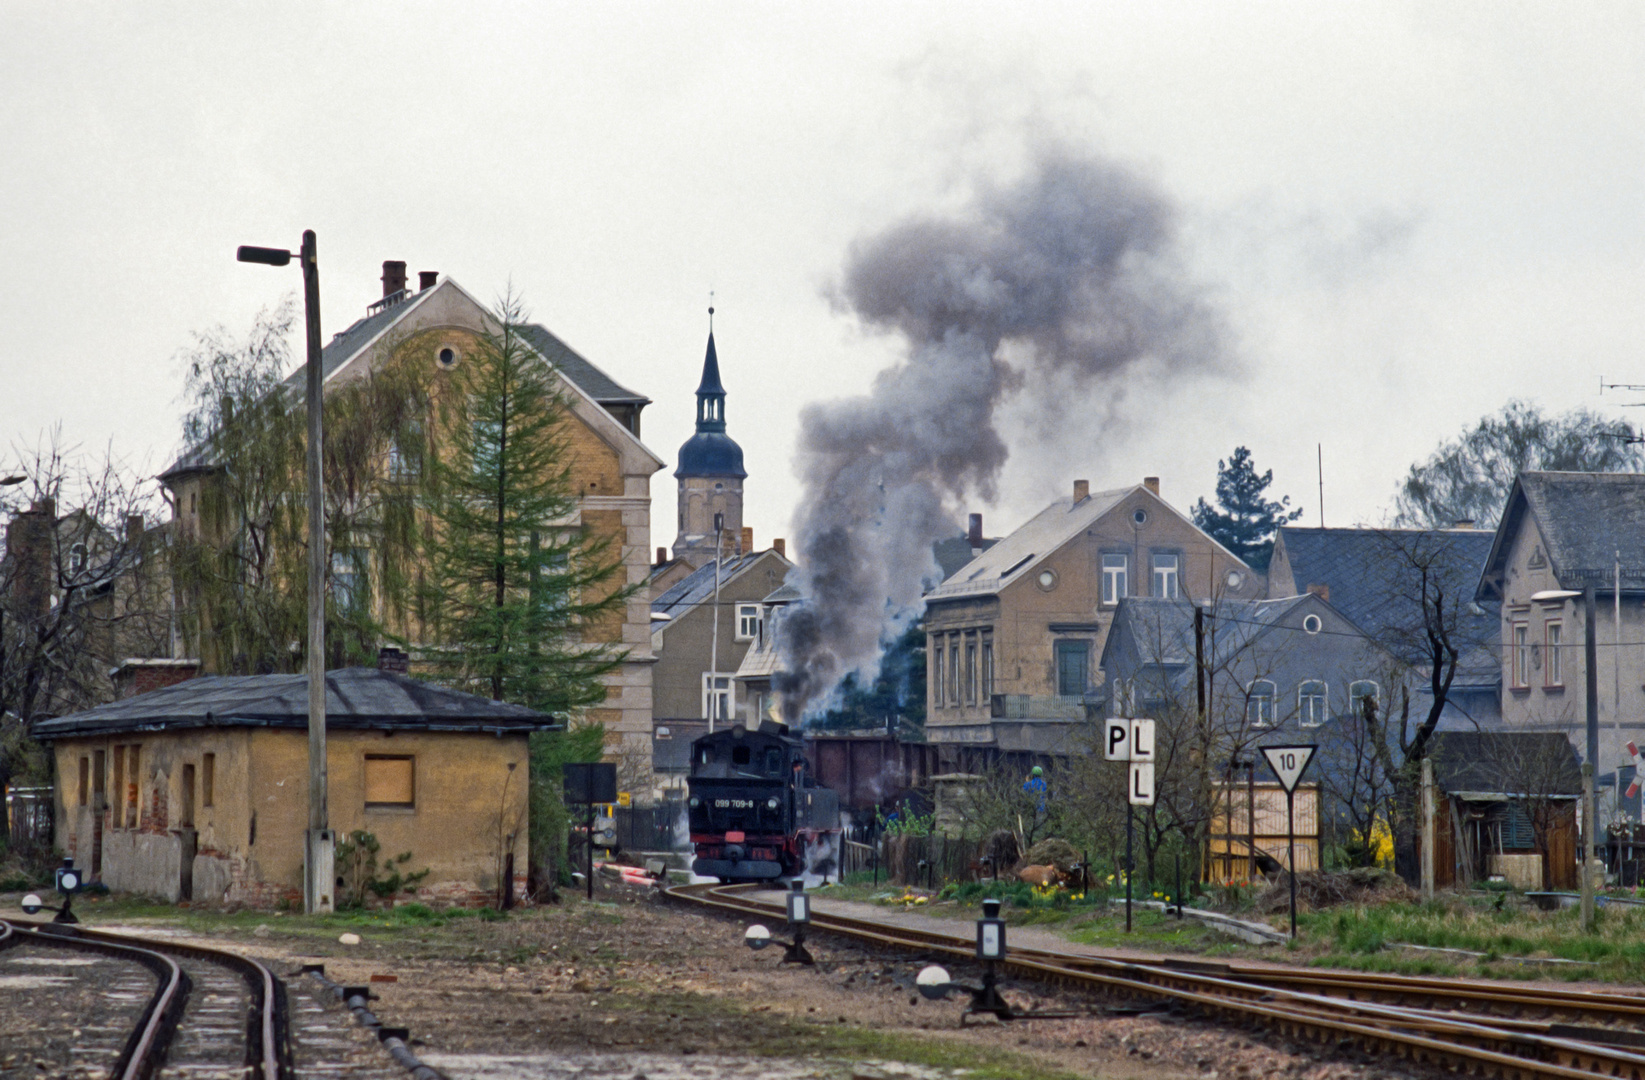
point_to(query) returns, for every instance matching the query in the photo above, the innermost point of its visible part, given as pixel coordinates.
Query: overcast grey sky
(1406, 214)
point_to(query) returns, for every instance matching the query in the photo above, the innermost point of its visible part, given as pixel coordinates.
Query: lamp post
(319, 855)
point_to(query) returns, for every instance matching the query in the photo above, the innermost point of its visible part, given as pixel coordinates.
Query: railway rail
(164, 1009)
(1517, 1032)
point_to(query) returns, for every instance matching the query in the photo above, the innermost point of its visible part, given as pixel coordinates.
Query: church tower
(710, 473)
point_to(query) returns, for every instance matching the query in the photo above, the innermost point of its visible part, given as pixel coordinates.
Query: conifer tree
(1244, 521)
(517, 593)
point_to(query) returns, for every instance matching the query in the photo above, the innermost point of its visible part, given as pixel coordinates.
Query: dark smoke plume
(1062, 280)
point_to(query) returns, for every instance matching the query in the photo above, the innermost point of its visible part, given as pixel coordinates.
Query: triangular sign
(1288, 763)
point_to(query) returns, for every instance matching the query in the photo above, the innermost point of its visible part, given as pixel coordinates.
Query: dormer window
(78, 559)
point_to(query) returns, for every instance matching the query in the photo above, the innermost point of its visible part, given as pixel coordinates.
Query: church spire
(710, 393)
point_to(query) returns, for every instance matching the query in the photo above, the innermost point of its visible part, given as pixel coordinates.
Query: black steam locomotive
(753, 808)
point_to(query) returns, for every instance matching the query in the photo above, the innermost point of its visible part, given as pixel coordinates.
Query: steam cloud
(1061, 282)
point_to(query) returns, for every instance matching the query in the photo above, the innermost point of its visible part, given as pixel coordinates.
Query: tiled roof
(580, 370)
(1016, 555)
(1372, 582)
(1168, 625)
(698, 585)
(1587, 519)
(355, 698)
(345, 345)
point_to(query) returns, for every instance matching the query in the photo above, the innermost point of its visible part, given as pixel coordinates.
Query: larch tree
(1244, 520)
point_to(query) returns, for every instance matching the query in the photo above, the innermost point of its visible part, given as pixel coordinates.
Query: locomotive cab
(753, 807)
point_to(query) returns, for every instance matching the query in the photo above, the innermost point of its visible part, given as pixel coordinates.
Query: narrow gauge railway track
(207, 1014)
(1507, 1031)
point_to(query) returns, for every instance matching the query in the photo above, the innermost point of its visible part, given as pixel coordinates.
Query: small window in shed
(390, 781)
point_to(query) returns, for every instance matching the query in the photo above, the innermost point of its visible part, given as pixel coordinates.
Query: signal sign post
(1289, 763)
(1132, 741)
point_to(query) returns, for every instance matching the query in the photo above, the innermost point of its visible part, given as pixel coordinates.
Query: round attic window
(1047, 580)
(1312, 624)
(448, 357)
(1235, 579)
(1140, 516)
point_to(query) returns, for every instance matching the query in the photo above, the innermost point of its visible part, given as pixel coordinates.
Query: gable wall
(1019, 620)
(686, 646)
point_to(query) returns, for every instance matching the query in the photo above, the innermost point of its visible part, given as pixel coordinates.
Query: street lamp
(319, 861)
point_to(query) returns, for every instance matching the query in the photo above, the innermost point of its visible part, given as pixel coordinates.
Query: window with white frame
(716, 696)
(1165, 575)
(1311, 702)
(987, 668)
(1358, 692)
(1522, 655)
(1115, 567)
(1552, 671)
(1259, 704)
(348, 578)
(78, 559)
(750, 618)
(936, 671)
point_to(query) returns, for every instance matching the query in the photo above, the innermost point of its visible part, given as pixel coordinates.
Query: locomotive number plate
(736, 804)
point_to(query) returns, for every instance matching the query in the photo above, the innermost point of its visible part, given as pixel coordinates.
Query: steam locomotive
(753, 808)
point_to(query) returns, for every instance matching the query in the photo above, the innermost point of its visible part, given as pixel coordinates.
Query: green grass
(1356, 936)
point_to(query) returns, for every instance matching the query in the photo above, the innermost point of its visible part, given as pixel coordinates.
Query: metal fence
(647, 828)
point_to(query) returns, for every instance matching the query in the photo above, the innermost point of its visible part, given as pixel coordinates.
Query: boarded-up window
(390, 781)
(208, 778)
(134, 793)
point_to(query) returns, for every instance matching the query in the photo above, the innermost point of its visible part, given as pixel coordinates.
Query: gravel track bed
(65, 1013)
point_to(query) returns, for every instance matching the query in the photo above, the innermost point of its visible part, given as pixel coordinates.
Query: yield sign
(1288, 763)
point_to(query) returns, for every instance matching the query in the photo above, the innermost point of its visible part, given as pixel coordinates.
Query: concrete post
(319, 874)
(1427, 828)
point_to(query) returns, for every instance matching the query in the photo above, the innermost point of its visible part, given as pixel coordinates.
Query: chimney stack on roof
(393, 660)
(1152, 484)
(973, 534)
(1082, 490)
(779, 545)
(394, 277)
(1321, 591)
(662, 555)
(747, 539)
(427, 279)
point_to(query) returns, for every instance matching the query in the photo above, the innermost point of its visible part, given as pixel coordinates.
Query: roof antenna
(1320, 449)
(710, 311)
